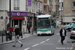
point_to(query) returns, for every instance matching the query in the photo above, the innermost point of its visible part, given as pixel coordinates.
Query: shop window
(15, 22)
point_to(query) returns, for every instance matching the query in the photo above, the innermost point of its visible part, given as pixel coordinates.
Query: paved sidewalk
(13, 38)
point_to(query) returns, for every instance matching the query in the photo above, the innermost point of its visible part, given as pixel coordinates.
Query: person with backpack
(17, 34)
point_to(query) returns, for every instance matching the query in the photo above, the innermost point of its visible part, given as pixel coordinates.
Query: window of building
(16, 4)
(45, 1)
(56, 0)
(26, 5)
(62, 4)
(73, 19)
(27, 2)
(73, 12)
(51, 0)
(73, 4)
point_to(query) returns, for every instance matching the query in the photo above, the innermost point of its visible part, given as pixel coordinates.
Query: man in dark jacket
(62, 34)
(28, 27)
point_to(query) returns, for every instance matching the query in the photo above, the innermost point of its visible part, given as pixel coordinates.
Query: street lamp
(10, 22)
(10, 19)
(10, 14)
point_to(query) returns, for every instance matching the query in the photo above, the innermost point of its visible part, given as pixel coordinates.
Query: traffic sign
(1, 17)
(6, 17)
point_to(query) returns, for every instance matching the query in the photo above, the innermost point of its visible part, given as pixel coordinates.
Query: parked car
(72, 36)
(70, 25)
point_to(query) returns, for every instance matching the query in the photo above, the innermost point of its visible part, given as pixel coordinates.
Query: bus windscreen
(43, 23)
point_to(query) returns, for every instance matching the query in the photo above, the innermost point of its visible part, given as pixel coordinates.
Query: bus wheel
(38, 34)
(53, 34)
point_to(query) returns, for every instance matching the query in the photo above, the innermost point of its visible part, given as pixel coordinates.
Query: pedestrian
(28, 27)
(62, 34)
(17, 32)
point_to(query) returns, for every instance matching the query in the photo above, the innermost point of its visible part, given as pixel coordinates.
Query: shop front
(21, 19)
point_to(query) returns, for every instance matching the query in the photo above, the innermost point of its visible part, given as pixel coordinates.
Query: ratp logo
(18, 14)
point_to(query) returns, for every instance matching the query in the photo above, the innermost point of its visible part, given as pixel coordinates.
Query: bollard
(2, 37)
(32, 31)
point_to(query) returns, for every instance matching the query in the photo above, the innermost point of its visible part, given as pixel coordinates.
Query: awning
(14, 18)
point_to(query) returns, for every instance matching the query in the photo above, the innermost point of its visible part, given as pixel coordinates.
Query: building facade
(46, 7)
(54, 9)
(23, 11)
(60, 18)
(68, 11)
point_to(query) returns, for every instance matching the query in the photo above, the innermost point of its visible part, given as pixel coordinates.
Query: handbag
(20, 34)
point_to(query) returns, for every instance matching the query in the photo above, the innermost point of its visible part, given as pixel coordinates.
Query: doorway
(17, 22)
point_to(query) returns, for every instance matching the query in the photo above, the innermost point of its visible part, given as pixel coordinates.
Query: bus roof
(43, 16)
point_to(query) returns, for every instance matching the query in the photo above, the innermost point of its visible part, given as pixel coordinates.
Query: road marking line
(35, 45)
(38, 44)
(47, 39)
(72, 47)
(42, 42)
(27, 48)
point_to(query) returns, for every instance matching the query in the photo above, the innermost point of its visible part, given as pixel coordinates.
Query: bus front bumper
(44, 32)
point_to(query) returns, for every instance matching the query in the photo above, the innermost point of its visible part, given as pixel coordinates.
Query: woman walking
(17, 32)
